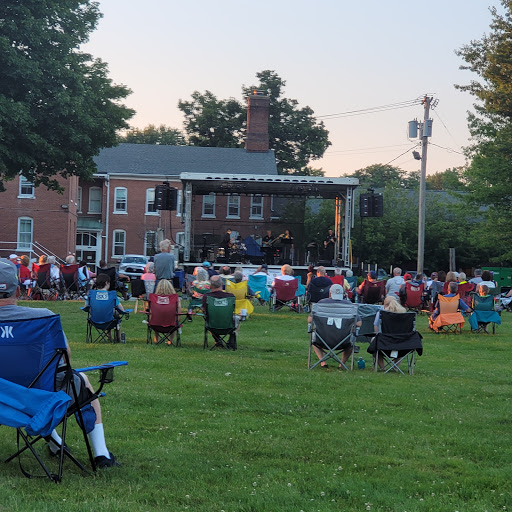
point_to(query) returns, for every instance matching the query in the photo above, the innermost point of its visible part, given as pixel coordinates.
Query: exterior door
(88, 247)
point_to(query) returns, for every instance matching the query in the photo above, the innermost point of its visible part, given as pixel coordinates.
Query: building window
(209, 205)
(94, 200)
(120, 196)
(233, 206)
(273, 205)
(25, 230)
(79, 200)
(257, 206)
(26, 187)
(150, 243)
(119, 244)
(150, 202)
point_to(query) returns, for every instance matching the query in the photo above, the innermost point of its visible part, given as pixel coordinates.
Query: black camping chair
(33, 355)
(333, 332)
(397, 341)
(115, 284)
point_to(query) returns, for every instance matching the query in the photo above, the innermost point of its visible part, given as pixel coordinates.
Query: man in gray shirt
(164, 262)
(393, 285)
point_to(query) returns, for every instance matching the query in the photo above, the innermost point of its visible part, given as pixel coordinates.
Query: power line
(364, 149)
(447, 149)
(371, 110)
(445, 127)
(402, 154)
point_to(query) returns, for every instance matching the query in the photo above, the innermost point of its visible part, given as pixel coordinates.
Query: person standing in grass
(9, 310)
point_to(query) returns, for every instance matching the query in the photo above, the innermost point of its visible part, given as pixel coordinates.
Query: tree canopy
(294, 134)
(152, 134)
(57, 105)
(489, 177)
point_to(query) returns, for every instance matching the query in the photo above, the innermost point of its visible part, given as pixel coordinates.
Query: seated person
(165, 287)
(321, 280)
(216, 284)
(371, 277)
(487, 280)
(55, 275)
(120, 280)
(417, 281)
(225, 273)
(262, 270)
(390, 304)
(24, 272)
(211, 272)
(200, 285)
(85, 276)
(394, 284)
(336, 296)
(339, 278)
(310, 275)
(238, 277)
(286, 274)
(103, 284)
(9, 310)
(149, 277)
(452, 292)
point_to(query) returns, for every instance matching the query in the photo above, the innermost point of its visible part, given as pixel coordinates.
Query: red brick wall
(53, 224)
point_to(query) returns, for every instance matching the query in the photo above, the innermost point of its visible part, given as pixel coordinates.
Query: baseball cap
(407, 277)
(12, 256)
(8, 278)
(373, 274)
(336, 292)
(206, 263)
(434, 274)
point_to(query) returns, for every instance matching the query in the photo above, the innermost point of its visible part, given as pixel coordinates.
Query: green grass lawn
(254, 430)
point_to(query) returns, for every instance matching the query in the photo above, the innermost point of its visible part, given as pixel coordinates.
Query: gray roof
(173, 160)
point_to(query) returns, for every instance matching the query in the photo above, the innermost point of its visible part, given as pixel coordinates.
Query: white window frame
(79, 200)
(116, 244)
(119, 190)
(233, 216)
(149, 192)
(100, 199)
(21, 246)
(272, 214)
(209, 215)
(23, 182)
(253, 205)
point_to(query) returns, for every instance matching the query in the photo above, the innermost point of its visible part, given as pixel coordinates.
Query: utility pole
(425, 133)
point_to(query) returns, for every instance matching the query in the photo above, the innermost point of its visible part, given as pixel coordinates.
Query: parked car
(133, 265)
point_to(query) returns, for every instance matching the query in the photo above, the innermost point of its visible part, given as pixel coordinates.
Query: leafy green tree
(381, 176)
(57, 105)
(450, 179)
(212, 122)
(489, 177)
(294, 134)
(152, 134)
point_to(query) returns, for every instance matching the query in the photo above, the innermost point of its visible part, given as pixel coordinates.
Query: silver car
(133, 265)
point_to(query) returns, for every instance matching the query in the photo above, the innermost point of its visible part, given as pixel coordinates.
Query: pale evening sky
(335, 56)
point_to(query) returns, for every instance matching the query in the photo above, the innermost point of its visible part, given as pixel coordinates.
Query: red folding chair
(414, 296)
(373, 292)
(164, 319)
(284, 295)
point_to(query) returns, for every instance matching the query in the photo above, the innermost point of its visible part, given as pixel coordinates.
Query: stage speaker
(166, 197)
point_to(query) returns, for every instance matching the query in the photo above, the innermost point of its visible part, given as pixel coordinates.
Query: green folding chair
(220, 322)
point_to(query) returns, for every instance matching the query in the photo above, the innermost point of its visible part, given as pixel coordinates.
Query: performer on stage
(329, 244)
(226, 244)
(287, 241)
(266, 247)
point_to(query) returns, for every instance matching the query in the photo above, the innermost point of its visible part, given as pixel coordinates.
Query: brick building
(114, 213)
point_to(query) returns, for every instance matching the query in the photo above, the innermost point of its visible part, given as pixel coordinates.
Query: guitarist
(329, 243)
(266, 247)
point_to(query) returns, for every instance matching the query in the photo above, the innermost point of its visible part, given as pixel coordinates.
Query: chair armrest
(106, 371)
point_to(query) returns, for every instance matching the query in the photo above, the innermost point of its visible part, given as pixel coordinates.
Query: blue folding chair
(259, 284)
(32, 353)
(103, 316)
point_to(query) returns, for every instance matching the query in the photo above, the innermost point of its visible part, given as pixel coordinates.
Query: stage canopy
(340, 189)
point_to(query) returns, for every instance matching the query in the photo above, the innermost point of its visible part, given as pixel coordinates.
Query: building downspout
(107, 213)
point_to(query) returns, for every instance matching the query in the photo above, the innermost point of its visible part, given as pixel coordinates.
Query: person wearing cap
(336, 296)
(478, 276)
(208, 267)
(393, 285)
(9, 310)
